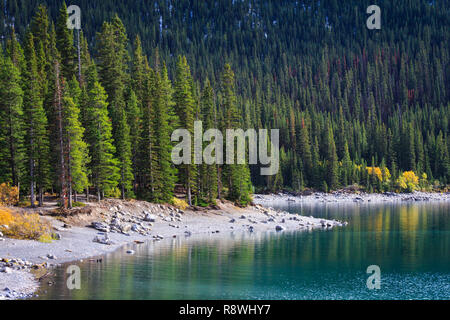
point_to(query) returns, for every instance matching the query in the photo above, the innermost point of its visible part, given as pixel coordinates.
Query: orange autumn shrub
(25, 226)
(9, 196)
(6, 218)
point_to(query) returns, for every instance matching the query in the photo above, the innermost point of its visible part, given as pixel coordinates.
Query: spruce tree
(11, 123)
(185, 108)
(103, 166)
(36, 138)
(113, 61)
(332, 175)
(237, 175)
(164, 172)
(65, 44)
(209, 172)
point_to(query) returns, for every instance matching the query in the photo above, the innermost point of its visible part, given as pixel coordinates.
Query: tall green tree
(103, 165)
(113, 65)
(11, 123)
(164, 171)
(65, 44)
(185, 109)
(237, 176)
(36, 138)
(209, 172)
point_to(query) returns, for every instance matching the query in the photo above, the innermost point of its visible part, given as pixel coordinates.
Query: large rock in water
(279, 228)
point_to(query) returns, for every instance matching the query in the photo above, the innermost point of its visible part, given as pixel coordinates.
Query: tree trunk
(123, 187)
(32, 195)
(70, 197)
(41, 197)
(62, 177)
(189, 187)
(69, 175)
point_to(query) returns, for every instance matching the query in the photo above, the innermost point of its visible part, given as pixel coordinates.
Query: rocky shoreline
(103, 228)
(345, 197)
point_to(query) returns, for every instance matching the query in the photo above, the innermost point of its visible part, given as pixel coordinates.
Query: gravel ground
(77, 243)
(341, 197)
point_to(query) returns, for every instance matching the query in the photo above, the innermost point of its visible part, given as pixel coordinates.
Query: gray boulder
(150, 217)
(101, 226)
(103, 240)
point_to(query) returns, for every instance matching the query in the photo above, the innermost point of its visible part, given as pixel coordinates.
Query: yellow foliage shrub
(9, 196)
(27, 227)
(6, 218)
(180, 204)
(408, 181)
(379, 173)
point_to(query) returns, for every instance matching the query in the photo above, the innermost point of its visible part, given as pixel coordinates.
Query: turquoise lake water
(409, 242)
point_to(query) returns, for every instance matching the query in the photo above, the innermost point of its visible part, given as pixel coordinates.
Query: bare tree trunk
(32, 195)
(87, 194)
(62, 177)
(219, 187)
(41, 196)
(123, 188)
(189, 187)
(99, 197)
(69, 175)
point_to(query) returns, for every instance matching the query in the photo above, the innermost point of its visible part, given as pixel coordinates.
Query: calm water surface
(410, 243)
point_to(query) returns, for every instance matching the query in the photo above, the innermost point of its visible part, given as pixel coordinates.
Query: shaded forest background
(354, 105)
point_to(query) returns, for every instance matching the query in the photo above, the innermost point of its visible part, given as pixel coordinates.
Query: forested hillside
(354, 106)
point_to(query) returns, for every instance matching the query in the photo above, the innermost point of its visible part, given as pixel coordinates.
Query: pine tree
(209, 173)
(134, 119)
(164, 172)
(36, 139)
(65, 44)
(147, 150)
(11, 123)
(113, 60)
(76, 149)
(237, 175)
(185, 106)
(15, 52)
(304, 150)
(103, 165)
(346, 176)
(332, 177)
(123, 155)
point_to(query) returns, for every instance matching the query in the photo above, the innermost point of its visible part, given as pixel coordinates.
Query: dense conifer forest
(93, 112)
